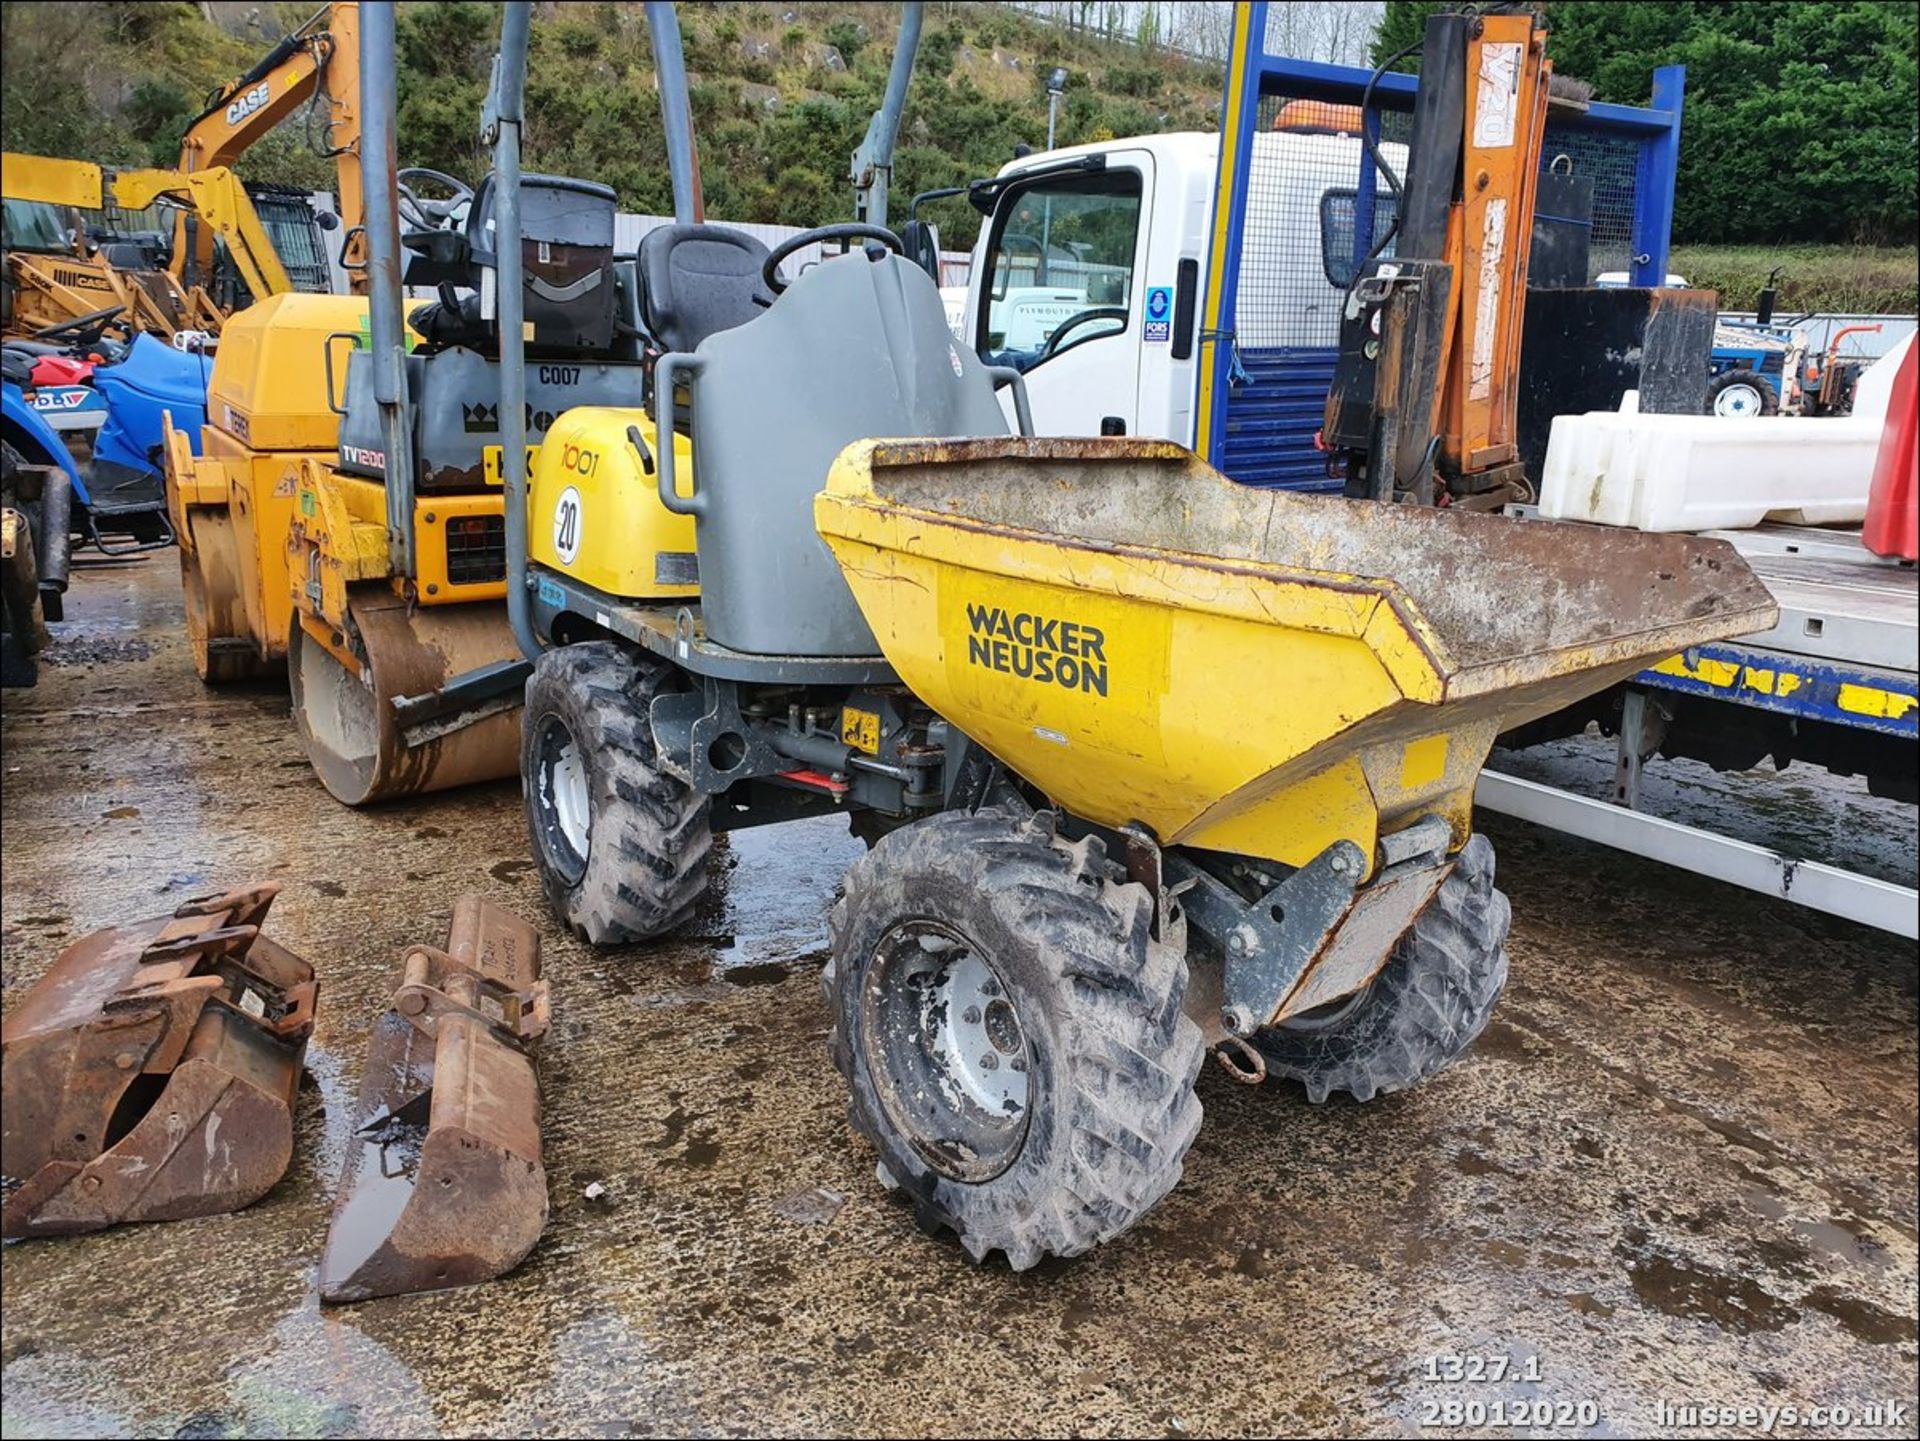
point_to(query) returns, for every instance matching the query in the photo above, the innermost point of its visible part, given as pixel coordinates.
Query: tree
(1799, 118)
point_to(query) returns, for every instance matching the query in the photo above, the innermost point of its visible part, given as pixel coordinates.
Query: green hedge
(1832, 279)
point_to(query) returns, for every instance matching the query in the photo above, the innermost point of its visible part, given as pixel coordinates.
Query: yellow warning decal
(861, 730)
(1872, 701)
(1423, 763)
(1729, 675)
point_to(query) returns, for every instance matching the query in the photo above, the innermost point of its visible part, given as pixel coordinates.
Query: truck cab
(1089, 272)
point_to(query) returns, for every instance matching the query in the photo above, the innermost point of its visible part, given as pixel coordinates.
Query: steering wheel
(83, 330)
(845, 234)
(430, 214)
(1074, 322)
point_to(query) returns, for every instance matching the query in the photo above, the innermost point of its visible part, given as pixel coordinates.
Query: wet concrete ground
(1679, 1168)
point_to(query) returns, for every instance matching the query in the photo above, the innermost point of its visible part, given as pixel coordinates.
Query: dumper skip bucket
(444, 1185)
(150, 1074)
(1244, 670)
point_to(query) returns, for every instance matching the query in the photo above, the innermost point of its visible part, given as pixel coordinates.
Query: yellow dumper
(1151, 762)
(1241, 670)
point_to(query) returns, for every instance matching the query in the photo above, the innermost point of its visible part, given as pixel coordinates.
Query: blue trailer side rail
(1800, 687)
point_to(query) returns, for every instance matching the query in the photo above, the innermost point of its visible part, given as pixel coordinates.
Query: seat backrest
(127, 255)
(566, 248)
(857, 347)
(698, 280)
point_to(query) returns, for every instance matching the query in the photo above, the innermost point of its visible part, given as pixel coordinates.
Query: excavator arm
(215, 197)
(1426, 389)
(218, 199)
(322, 57)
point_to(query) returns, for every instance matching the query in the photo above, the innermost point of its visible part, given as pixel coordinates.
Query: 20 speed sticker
(566, 526)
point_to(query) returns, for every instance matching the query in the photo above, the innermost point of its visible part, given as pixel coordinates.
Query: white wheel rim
(1740, 400)
(979, 1037)
(566, 786)
(943, 1042)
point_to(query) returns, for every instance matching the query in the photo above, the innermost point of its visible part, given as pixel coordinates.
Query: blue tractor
(111, 495)
(1749, 369)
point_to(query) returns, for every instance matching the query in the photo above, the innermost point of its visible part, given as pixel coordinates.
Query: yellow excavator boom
(321, 57)
(219, 199)
(215, 196)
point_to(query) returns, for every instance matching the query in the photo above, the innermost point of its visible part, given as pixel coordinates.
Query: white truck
(1090, 269)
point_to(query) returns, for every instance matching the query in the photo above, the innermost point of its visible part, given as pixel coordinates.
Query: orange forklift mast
(1424, 403)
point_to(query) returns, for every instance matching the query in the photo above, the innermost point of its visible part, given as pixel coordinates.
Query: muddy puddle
(1680, 1167)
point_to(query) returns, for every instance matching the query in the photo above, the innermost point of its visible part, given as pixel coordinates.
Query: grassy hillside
(117, 83)
(781, 93)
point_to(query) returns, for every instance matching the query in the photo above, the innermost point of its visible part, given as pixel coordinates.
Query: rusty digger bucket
(444, 1186)
(150, 1074)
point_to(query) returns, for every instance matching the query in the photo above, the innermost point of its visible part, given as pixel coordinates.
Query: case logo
(249, 101)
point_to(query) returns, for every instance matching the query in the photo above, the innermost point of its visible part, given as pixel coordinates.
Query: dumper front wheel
(621, 845)
(1423, 1010)
(1012, 1034)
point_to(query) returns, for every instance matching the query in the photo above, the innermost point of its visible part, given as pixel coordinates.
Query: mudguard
(154, 380)
(37, 442)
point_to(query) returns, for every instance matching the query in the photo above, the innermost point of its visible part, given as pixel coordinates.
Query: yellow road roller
(345, 520)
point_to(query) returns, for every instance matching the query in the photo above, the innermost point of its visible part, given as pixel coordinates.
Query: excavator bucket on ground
(150, 1074)
(445, 1186)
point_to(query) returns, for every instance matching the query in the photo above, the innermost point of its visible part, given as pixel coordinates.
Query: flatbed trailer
(1835, 683)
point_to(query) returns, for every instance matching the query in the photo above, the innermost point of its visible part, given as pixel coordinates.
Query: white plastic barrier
(1705, 472)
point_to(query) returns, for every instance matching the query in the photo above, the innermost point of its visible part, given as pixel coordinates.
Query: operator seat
(858, 346)
(697, 280)
(572, 292)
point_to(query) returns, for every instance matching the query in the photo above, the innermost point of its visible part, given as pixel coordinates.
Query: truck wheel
(1742, 393)
(1011, 1034)
(1422, 1011)
(621, 845)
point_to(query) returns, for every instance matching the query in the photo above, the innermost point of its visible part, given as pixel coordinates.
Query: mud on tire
(1425, 1008)
(621, 846)
(1085, 998)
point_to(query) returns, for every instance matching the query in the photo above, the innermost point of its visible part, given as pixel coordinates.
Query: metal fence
(1817, 331)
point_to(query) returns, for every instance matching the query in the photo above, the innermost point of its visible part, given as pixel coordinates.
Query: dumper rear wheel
(1424, 1009)
(1012, 1035)
(621, 845)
